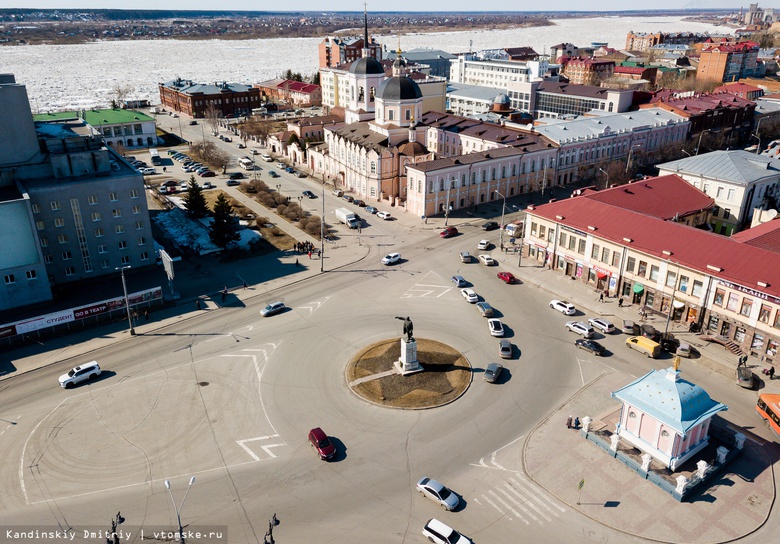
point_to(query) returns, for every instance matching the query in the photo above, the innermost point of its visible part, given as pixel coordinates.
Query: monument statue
(408, 328)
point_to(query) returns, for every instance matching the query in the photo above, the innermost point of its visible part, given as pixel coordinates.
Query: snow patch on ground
(190, 234)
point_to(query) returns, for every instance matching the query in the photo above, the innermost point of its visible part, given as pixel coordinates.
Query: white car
(438, 493)
(601, 324)
(487, 260)
(496, 328)
(583, 329)
(82, 373)
(566, 308)
(440, 533)
(483, 244)
(469, 295)
(273, 308)
(383, 215)
(391, 258)
(208, 185)
(148, 171)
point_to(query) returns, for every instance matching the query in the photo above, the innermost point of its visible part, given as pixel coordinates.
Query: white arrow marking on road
(313, 306)
(266, 449)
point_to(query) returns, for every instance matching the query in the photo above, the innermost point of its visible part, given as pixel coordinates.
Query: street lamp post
(606, 174)
(178, 510)
(127, 303)
(671, 302)
(757, 137)
(684, 151)
(322, 232)
(447, 206)
(300, 207)
(501, 233)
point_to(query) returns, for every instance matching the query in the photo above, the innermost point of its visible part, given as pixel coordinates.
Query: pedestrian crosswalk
(517, 498)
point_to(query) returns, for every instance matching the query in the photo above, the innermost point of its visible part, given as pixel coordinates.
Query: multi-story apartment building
(545, 99)
(195, 99)
(642, 41)
(728, 62)
(738, 181)
(129, 128)
(472, 69)
(335, 51)
(694, 276)
(587, 71)
(72, 208)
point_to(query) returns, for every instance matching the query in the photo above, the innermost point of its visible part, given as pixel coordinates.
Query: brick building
(297, 93)
(587, 71)
(193, 99)
(728, 62)
(334, 51)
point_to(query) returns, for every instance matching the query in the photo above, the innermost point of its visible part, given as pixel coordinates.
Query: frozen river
(82, 76)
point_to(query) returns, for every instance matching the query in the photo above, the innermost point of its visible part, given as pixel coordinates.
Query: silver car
(583, 329)
(505, 349)
(438, 493)
(273, 308)
(485, 308)
(492, 372)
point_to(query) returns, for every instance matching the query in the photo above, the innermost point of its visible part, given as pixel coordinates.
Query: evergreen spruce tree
(224, 229)
(194, 201)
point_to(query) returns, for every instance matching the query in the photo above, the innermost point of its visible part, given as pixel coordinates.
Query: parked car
(281, 165)
(490, 225)
(240, 145)
(82, 373)
(485, 309)
(184, 187)
(384, 215)
(348, 198)
(148, 171)
(590, 345)
(492, 372)
(300, 175)
(470, 295)
(629, 327)
(745, 377)
(496, 327)
(273, 174)
(448, 232)
(369, 209)
(440, 533)
(459, 281)
(648, 331)
(272, 309)
(309, 194)
(208, 185)
(484, 244)
(506, 277)
(236, 175)
(232, 183)
(290, 170)
(583, 329)
(438, 493)
(601, 324)
(505, 349)
(207, 174)
(359, 203)
(391, 258)
(322, 444)
(487, 260)
(566, 308)
(193, 122)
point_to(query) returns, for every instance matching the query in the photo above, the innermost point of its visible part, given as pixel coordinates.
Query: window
(104, 264)
(59, 222)
(126, 259)
(92, 199)
(683, 284)
(144, 256)
(731, 195)
(69, 271)
(747, 305)
(119, 229)
(642, 270)
(630, 264)
(697, 287)
(616, 259)
(40, 225)
(102, 248)
(112, 197)
(542, 231)
(720, 294)
(48, 259)
(139, 225)
(563, 239)
(581, 247)
(62, 239)
(99, 233)
(36, 208)
(96, 216)
(605, 255)
(534, 228)
(141, 241)
(67, 255)
(732, 303)
(122, 244)
(654, 273)
(726, 213)
(133, 193)
(9, 279)
(44, 242)
(116, 213)
(55, 205)
(31, 274)
(594, 252)
(671, 279)
(763, 314)
(572, 243)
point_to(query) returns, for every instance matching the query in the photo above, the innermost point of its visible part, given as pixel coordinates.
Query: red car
(506, 277)
(448, 231)
(322, 444)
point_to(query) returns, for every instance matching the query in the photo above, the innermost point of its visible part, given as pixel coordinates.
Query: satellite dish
(771, 214)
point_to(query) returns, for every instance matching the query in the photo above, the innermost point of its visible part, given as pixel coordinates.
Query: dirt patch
(446, 377)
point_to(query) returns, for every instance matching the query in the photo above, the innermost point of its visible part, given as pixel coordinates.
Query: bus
(768, 407)
(155, 156)
(246, 163)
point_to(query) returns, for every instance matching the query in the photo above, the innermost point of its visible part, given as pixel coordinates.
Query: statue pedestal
(408, 363)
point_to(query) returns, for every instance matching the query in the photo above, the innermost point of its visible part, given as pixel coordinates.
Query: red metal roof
(664, 197)
(765, 236)
(696, 249)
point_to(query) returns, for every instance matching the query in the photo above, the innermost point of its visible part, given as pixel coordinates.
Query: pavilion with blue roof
(665, 416)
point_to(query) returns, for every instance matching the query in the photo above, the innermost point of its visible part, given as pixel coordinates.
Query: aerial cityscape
(355, 276)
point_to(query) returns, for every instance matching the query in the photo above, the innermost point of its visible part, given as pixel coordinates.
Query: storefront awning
(600, 275)
(678, 304)
(638, 287)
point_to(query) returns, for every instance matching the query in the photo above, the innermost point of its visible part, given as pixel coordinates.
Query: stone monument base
(408, 363)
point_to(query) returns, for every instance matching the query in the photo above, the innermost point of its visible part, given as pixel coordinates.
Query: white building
(470, 69)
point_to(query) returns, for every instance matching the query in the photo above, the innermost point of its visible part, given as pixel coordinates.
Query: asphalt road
(229, 397)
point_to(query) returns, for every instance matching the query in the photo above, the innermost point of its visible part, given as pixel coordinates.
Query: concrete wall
(18, 141)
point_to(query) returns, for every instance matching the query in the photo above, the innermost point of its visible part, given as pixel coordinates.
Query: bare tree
(120, 94)
(212, 114)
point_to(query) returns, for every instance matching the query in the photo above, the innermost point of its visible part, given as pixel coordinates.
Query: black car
(273, 174)
(490, 225)
(590, 345)
(309, 194)
(648, 331)
(237, 175)
(348, 198)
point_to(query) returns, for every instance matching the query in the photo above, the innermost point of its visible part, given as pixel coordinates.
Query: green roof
(97, 117)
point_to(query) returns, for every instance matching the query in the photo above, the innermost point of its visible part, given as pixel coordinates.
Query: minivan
(644, 345)
(465, 257)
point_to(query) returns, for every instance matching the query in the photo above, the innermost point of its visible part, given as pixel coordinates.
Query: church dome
(366, 66)
(412, 149)
(398, 88)
(502, 99)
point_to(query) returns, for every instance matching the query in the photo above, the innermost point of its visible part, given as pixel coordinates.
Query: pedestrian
(135, 316)
(197, 304)
(601, 297)
(310, 254)
(297, 263)
(771, 372)
(146, 314)
(620, 302)
(224, 294)
(568, 422)
(576, 422)
(245, 286)
(164, 170)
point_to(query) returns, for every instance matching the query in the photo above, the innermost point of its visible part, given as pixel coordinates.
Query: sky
(397, 5)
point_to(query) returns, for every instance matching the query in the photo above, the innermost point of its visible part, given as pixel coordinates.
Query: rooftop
(766, 236)
(474, 92)
(736, 166)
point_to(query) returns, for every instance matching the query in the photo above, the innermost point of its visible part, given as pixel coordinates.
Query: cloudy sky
(352, 5)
